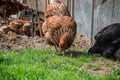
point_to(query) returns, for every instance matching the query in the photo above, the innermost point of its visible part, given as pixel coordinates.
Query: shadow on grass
(1, 60)
(74, 54)
(6, 60)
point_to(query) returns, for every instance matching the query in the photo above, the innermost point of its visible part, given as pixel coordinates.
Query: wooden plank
(45, 7)
(72, 8)
(92, 20)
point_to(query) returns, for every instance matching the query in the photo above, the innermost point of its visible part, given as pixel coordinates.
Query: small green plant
(109, 64)
(94, 66)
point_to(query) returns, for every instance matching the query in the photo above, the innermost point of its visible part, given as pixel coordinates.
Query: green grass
(44, 64)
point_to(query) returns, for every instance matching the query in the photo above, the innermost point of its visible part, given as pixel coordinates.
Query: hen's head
(65, 42)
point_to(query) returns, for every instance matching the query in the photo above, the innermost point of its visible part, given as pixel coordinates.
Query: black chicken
(108, 41)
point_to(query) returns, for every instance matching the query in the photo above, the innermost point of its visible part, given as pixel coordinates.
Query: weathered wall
(32, 4)
(40, 4)
(106, 14)
(83, 11)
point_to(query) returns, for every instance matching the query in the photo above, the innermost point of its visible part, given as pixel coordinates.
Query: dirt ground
(15, 42)
(102, 67)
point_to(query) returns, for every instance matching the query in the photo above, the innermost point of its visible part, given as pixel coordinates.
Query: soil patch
(101, 67)
(15, 42)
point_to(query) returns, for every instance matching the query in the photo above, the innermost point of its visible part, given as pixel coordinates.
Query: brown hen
(59, 31)
(57, 8)
(23, 27)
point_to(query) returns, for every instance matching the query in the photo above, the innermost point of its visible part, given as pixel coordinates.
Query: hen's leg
(56, 50)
